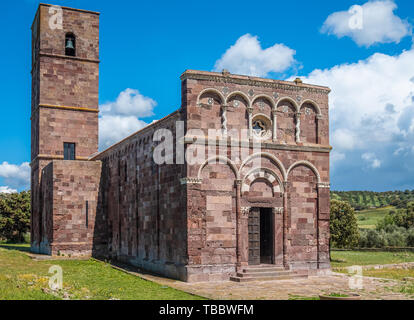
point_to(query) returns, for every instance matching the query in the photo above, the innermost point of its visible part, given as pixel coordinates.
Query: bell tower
(65, 96)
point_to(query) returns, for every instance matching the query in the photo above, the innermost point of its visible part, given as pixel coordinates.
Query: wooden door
(254, 237)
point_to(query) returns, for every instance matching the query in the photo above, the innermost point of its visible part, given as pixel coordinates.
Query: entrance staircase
(266, 273)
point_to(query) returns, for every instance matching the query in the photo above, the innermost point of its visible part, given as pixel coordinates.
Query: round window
(261, 127)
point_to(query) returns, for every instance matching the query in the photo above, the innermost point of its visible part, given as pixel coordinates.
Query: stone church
(259, 213)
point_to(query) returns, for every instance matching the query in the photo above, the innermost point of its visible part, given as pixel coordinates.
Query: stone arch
(314, 104)
(265, 97)
(241, 94)
(292, 101)
(223, 160)
(265, 155)
(306, 164)
(263, 173)
(211, 90)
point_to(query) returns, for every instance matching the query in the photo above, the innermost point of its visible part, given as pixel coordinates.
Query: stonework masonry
(194, 221)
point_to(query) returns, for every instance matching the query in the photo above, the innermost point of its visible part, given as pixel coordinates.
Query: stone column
(285, 223)
(318, 128)
(250, 111)
(224, 119)
(274, 114)
(278, 230)
(238, 225)
(298, 114)
(244, 232)
(323, 217)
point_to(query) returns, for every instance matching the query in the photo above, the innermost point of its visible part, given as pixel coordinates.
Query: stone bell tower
(65, 101)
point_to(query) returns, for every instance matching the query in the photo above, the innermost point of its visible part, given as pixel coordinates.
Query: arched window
(70, 45)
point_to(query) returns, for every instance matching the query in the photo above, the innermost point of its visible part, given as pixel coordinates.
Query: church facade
(236, 178)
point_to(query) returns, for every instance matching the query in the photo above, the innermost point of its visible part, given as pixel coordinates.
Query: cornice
(55, 157)
(250, 144)
(69, 8)
(61, 56)
(253, 81)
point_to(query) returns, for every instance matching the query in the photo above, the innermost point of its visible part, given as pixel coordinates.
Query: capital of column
(238, 182)
(277, 210)
(250, 110)
(324, 185)
(245, 211)
(189, 180)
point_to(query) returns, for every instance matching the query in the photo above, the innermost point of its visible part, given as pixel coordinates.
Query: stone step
(264, 274)
(263, 269)
(273, 278)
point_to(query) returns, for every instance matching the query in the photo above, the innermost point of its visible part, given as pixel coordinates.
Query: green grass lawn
(342, 259)
(395, 274)
(368, 219)
(23, 278)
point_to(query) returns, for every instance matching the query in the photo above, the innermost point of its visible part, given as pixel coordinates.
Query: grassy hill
(368, 219)
(363, 200)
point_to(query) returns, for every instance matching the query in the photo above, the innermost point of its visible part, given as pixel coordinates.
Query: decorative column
(278, 231)
(322, 231)
(274, 114)
(224, 119)
(238, 225)
(285, 223)
(319, 118)
(298, 127)
(244, 233)
(250, 111)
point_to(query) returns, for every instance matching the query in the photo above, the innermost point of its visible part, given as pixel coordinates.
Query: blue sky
(145, 46)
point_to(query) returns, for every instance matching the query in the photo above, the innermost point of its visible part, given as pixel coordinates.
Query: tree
(402, 218)
(14, 216)
(344, 227)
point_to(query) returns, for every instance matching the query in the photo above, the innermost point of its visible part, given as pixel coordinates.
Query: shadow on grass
(24, 247)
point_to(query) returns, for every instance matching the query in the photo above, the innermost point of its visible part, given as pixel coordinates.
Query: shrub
(372, 239)
(344, 227)
(14, 216)
(410, 237)
(397, 238)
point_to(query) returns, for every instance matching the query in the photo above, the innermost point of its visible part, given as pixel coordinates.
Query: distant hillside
(362, 200)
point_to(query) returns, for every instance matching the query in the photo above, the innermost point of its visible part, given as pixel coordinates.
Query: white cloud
(344, 139)
(372, 160)
(120, 118)
(373, 22)
(130, 102)
(16, 176)
(372, 113)
(247, 57)
(114, 128)
(7, 190)
(336, 157)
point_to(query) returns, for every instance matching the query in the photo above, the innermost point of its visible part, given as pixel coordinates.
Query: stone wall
(143, 204)
(289, 172)
(69, 206)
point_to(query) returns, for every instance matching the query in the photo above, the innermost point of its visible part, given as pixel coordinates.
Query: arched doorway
(261, 236)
